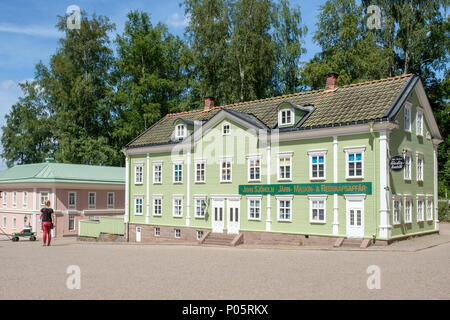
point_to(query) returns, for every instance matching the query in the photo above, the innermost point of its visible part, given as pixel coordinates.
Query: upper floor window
(138, 205)
(25, 199)
(407, 169)
(14, 198)
(254, 168)
(110, 199)
(177, 172)
(44, 197)
(419, 168)
(5, 195)
(180, 131)
(284, 166)
(138, 173)
(157, 205)
(4, 221)
(157, 172)
(225, 170)
(200, 171)
(286, 117)
(407, 114)
(226, 129)
(72, 199)
(419, 122)
(354, 162)
(317, 164)
(92, 199)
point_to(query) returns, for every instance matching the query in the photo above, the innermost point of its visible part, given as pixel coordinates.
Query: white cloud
(31, 30)
(176, 20)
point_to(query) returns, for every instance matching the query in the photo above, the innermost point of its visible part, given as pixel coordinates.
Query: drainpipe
(372, 133)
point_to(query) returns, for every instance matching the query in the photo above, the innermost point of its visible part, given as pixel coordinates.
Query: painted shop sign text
(308, 188)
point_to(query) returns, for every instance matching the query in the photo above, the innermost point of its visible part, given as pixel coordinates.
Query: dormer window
(180, 131)
(226, 129)
(286, 117)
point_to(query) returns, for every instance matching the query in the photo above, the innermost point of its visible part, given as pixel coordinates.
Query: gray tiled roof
(351, 103)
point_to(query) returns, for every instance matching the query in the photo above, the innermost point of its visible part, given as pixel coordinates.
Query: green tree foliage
(149, 76)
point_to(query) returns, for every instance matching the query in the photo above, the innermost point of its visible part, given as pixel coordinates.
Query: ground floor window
(396, 213)
(14, 222)
(71, 223)
(254, 208)
(429, 209)
(4, 222)
(408, 208)
(200, 207)
(420, 210)
(317, 205)
(284, 208)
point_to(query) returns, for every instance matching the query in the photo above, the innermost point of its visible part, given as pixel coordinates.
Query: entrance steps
(221, 239)
(355, 243)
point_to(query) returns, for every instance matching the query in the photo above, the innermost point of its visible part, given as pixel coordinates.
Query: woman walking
(47, 221)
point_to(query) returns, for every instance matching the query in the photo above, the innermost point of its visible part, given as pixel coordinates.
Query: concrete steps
(355, 243)
(220, 239)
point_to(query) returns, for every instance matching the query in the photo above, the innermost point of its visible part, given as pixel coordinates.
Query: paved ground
(415, 269)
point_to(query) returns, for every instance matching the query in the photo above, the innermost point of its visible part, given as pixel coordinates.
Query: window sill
(199, 217)
(157, 182)
(226, 182)
(254, 219)
(421, 180)
(317, 222)
(285, 180)
(420, 135)
(138, 183)
(408, 222)
(318, 179)
(354, 178)
(278, 220)
(157, 215)
(396, 223)
(178, 182)
(257, 181)
(409, 180)
(407, 131)
(173, 216)
(199, 182)
(138, 214)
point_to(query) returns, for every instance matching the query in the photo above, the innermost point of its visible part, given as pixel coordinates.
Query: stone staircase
(352, 243)
(221, 239)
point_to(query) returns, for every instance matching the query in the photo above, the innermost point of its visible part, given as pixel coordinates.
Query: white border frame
(407, 198)
(420, 197)
(419, 110)
(157, 197)
(284, 198)
(286, 154)
(419, 155)
(397, 197)
(291, 110)
(199, 197)
(250, 198)
(90, 206)
(229, 128)
(177, 197)
(154, 164)
(199, 161)
(138, 165)
(174, 163)
(348, 150)
(107, 199)
(314, 153)
(68, 200)
(252, 158)
(318, 197)
(407, 152)
(136, 197)
(407, 106)
(222, 160)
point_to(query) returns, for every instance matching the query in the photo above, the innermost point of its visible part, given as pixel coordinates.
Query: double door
(231, 215)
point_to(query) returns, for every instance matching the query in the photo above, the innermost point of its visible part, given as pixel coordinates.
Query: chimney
(331, 81)
(209, 103)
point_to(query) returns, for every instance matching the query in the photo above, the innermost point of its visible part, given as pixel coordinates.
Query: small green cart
(32, 235)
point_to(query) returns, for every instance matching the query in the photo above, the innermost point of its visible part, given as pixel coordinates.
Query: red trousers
(47, 231)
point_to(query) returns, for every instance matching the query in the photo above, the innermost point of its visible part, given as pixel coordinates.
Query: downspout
(372, 133)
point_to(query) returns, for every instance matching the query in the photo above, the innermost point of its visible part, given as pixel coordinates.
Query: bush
(443, 210)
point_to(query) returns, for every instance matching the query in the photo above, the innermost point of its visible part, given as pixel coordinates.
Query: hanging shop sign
(308, 188)
(396, 163)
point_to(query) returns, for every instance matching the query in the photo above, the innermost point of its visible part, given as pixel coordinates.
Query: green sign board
(308, 188)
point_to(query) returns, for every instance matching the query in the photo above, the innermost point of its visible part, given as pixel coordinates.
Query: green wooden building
(355, 161)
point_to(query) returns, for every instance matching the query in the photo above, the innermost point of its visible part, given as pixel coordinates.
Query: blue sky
(28, 34)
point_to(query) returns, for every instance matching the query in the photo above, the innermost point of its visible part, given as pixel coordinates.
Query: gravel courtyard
(416, 269)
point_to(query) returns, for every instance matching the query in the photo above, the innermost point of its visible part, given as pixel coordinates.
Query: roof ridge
(404, 75)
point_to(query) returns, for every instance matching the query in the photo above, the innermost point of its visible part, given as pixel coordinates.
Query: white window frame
(317, 153)
(199, 162)
(71, 217)
(407, 111)
(5, 222)
(222, 161)
(24, 199)
(135, 204)
(249, 207)
(280, 116)
(398, 199)
(5, 197)
(68, 199)
(14, 198)
(420, 216)
(199, 198)
(285, 155)
(419, 129)
(407, 170)
(183, 130)
(226, 124)
(139, 176)
(199, 234)
(175, 198)
(407, 218)
(251, 159)
(157, 232)
(160, 198)
(317, 198)
(429, 210)
(177, 233)
(108, 205)
(155, 165)
(419, 173)
(14, 223)
(284, 198)
(177, 163)
(95, 199)
(354, 150)
(41, 198)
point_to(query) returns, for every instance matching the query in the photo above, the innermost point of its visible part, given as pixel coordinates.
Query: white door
(218, 208)
(233, 216)
(355, 219)
(138, 234)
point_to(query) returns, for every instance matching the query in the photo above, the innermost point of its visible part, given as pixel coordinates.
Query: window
(14, 199)
(355, 162)
(92, 199)
(138, 173)
(284, 166)
(200, 207)
(157, 205)
(199, 234)
(284, 208)
(177, 172)
(5, 195)
(25, 222)
(225, 170)
(419, 123)
(419, 169)
(4, 222)
(138, 205)
(14, 223)
(407, 170)
(430, 208)
(317, 165)
(72, 199)
(254, 208)
(254, 168)
(157, 172)
(177, 233)
(420, 209)
(25, 199)
(200, 166)
(177, 210)
(397, 211)
(111, 199)
(180, 131)
(285, 117)
(71, 223)
(317, 205)
(408, 208)
(157, 232)
(226, 129)
(407, 116)
(44, 197)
